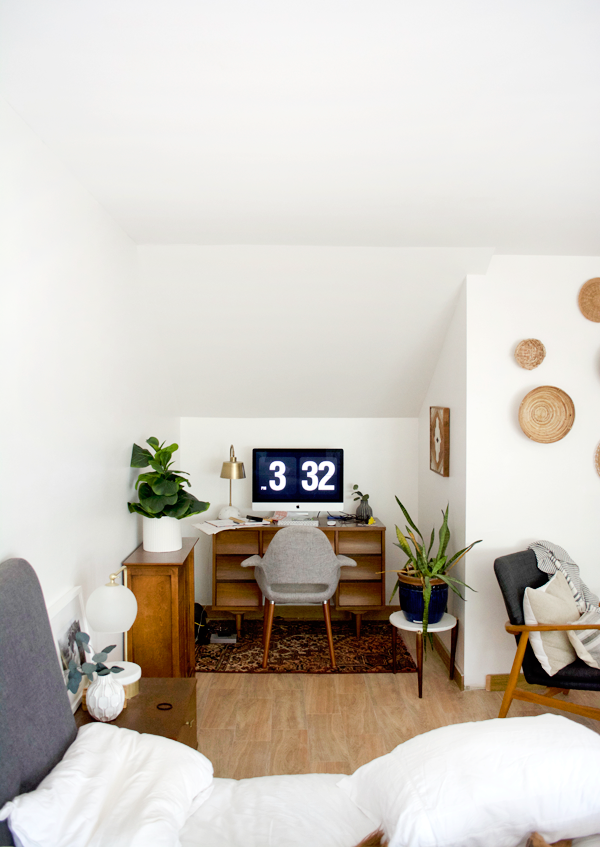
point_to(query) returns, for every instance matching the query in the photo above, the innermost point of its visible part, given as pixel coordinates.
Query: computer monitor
(297, 479)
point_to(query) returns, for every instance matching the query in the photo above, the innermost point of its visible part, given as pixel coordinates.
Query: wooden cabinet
(361, 589)
(161, 640)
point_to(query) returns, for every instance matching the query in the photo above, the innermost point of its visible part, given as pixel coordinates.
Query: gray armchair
(298, 568)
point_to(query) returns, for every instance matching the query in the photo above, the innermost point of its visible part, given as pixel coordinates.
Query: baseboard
(444, 654)
(499, 681)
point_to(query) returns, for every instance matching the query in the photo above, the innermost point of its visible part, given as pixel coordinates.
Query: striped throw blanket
(551, 558)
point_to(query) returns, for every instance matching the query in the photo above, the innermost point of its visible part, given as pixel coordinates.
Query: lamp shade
(233, 469)
(111, 608)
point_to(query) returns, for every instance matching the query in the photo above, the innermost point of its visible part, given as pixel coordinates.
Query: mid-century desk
(361, 589)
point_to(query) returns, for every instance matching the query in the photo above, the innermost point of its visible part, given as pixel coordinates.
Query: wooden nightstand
(143, 715)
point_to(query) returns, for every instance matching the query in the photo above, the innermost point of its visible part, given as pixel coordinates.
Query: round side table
(398, 621)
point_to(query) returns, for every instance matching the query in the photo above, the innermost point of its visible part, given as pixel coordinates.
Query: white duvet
(117, 788)
(113, 788)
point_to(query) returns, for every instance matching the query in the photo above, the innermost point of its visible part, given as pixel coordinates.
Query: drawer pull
(190, 723)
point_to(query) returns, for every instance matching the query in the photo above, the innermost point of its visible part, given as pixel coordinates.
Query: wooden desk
(361, 589)
(161, 640)
(142, 714)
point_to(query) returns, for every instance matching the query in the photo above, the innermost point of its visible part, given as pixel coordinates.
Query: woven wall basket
(546, 414)
(530, 353)
(589, 299)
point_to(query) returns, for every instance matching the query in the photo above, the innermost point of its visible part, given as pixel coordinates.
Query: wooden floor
(262, 724)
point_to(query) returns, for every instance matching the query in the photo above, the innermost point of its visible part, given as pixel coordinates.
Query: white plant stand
(398, 621)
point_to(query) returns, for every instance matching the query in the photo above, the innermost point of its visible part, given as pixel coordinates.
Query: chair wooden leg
(514, 675)
(552, 692)
(327, 616)
(239, 618)
(357, 622)
(265, 613)
(270, 616)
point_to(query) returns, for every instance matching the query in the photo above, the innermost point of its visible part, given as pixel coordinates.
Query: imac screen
(298, 479)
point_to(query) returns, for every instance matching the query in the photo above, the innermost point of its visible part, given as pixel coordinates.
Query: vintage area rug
(301, 647)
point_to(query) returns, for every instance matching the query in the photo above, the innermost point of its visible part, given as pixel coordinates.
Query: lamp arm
(113, 576)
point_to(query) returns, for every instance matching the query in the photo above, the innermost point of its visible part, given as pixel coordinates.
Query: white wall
(448, 388)
(518, 490)
(75, 389)
(344, 332)
(380, 456)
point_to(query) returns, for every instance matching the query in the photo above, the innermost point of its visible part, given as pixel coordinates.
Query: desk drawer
(236, 541)
(236, 594)
(361, 542)
(360, 594)
(367, 568)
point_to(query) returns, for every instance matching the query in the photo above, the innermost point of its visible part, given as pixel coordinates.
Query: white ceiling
(326, 122)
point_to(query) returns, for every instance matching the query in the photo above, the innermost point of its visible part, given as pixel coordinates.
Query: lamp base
(228, 512)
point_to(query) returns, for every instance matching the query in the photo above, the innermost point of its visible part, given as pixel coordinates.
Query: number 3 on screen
(313, 480)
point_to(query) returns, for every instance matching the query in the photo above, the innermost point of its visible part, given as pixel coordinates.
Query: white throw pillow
(551, 603)
(113, 787)
(490, 782)
(587, 641)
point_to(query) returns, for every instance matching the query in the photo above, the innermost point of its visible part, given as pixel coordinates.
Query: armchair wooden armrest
(547, 627)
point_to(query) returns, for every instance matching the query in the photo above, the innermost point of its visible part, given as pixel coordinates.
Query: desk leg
(453, 641)
(238, 624)
(420, 662)
(357, 622)
(394, 647)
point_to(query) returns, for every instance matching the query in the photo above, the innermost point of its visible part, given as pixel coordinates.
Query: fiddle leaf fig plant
(161, 491)
(76, 672)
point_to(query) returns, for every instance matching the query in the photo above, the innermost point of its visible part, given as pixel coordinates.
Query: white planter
(105, 698)
(161, 535)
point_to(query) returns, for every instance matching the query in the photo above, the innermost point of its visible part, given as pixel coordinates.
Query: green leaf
(100, 657)
(82, 638)
(101, 667)
(140, 457)
(186, 505)
(156, 466)
(431, 540)
(73, 681)
(88, 668)
(108, 649)
(409, 519)
(116, 670)
(444, 535)
(103, 672)
(165, 487)
(403, 544)
(458, 556)
(153, 442)
(147, 477)
(152, 502)
(138, 509)
(355, 487)
(172, 448)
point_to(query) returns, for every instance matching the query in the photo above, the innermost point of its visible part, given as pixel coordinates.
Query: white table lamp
(113, 608)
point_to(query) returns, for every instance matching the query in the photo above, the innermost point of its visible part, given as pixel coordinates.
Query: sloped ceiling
(331, 122)
(347, 162)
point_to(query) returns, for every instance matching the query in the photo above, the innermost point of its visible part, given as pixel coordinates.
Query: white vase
(105, 698)
(161, 535)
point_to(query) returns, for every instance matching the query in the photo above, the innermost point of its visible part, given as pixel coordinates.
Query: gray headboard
(36, 723)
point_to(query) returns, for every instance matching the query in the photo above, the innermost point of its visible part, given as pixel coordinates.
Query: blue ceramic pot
(411, 601)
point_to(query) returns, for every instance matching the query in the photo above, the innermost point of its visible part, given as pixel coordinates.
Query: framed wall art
(439, 440)
(67, 618)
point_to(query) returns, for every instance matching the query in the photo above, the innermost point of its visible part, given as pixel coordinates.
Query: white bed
(481, 784)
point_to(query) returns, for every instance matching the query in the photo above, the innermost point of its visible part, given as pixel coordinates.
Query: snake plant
(425, 566)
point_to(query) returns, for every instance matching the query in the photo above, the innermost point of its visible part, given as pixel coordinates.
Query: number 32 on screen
(311, 469)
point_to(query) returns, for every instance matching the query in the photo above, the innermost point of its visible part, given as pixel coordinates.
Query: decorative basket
(530, 353)
(546, 414)
(589, 299)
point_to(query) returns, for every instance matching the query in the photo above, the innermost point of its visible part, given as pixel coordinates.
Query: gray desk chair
(299, 568)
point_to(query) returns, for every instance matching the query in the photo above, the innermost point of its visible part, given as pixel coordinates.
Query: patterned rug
(301, 647)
